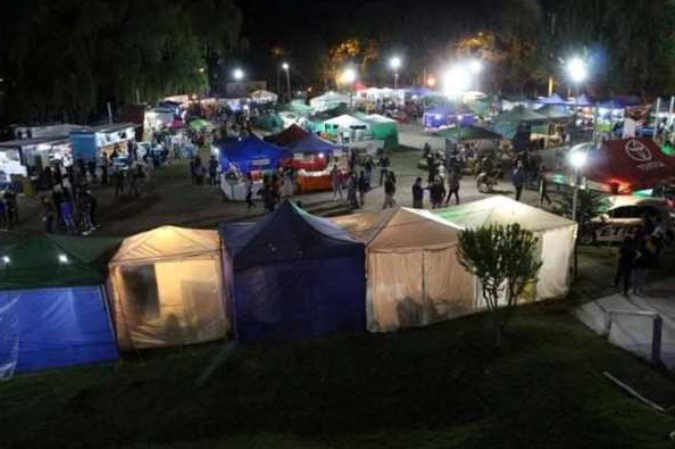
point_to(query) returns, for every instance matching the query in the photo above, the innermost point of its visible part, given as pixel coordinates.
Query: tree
(504, 260)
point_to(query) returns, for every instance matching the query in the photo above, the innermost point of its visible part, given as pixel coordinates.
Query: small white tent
(263, 96)
(329, 100)
(166, 288)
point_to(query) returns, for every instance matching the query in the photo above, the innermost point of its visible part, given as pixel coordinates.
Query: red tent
(359, 86)
(288, 136)
(629, 164)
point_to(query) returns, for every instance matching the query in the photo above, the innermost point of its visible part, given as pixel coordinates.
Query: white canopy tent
(263, 96)
(166, 288)
(329, 100)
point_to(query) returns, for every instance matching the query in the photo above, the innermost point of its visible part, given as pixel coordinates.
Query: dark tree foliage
(66, 59)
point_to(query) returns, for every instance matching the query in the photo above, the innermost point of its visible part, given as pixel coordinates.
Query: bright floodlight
(456, 80)
(475, 66)
(578, 159)
(5, 260)
(577, 71)
(63, 258)
(349, 76)
(238, 74)
(395, 63)
(285, 66)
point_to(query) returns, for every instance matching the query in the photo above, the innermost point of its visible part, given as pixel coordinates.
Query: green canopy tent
(200, 125)
(554, 112)
(468, 133)
(269, 122)
(296, 107)
(482, 106)
(383, 128)
(507, 123)
(316, 122)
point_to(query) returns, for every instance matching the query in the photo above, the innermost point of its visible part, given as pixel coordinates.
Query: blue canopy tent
(583, 101)
(53, 310)
(251, 153)
(448, 114)
(312, 144)
(554, 99)
(293, 275)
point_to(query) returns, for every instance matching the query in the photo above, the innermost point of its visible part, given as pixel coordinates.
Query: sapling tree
(504, 260)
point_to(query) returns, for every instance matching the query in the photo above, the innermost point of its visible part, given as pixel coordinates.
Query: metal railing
(657, 328)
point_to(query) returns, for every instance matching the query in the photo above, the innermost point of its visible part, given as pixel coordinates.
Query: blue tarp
(251, 153)
(553, 99)
(293, 276)
(312, 144)
(84, 146)
(54, 327)
(448, 114)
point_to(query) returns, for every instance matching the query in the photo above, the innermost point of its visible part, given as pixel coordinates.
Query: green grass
(438, 387)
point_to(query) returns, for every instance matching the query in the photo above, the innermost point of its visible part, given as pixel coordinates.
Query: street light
(456, 80)
(577, 159)
(349, 77)
(286, 68)
(577, 71)
(238, 74)
(395, 63)
(475, 67)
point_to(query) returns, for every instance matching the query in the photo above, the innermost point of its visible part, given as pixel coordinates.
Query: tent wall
(169, 302)
(299, 298)
(54, 327)
(557, 250)
(417, 287)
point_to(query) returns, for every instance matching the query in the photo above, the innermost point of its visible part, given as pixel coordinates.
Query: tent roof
(250, 147)
(501, 210)
(311, 143)
(377, 118)
(362, 227)
(554, 112)
(289, 233)
(583, 101)
(56, 261)
(297, 107)
(262, 94)
(468, 133)
(166, 242)
(331, 96)
(449, 109)
(520, 114)
(288, 136)
(346, 120)
(553, 99)
(633, 164)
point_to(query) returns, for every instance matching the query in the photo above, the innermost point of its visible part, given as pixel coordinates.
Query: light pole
(577, 159)
(287, 68)
(349, 77)
(475, 67)
(395, 64)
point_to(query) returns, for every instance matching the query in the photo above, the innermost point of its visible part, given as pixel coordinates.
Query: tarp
(554, 112)
(328, 100)
(269, 122)
(629, 164)
(293, 275)
(251, 153)
(556, 237)
(288, 136)
(297, 107)
(55, 261)
(54, 327)
(554, 99)
(312, 143)
(345, 121)
(383, 128)
(448, 114)
(166, 288)
(467, 133)
(507, 123)
(583, 101)
(263, 96)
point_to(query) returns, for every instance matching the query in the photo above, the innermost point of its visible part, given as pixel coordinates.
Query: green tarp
(269, 122)
(200, 125)
(296, 107)
(55, 261)
(468, 133)
(383, 128)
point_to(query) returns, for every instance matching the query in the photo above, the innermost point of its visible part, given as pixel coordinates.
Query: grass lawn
(437, 387)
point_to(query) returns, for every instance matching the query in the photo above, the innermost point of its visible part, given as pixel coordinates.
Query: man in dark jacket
(418, 194)
(624, 266)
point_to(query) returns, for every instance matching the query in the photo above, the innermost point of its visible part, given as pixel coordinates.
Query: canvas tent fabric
(327, 101)
(629, 164)
(52, 306)
(583, 101)
(288, 136)
(293, 275)
(345, 121)
(251, 153)
(269, 122)
(554, 112)
(554, 99)
(507, 123)
(312, 144)
(556, 237)
(263, 96)
(448, 114)
(383, 128)
(166, 289)
(468, 133)
(414, 278)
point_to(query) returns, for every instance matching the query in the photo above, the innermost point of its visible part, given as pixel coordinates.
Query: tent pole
(670, 111)
(656, 118)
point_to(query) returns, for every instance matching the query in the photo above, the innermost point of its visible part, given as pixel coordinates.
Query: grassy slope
(431, 388)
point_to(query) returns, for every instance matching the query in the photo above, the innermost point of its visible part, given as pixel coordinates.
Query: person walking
(85, 213)
(286, 187)
(66, 210)
(518, 179)
(249, 191)
(336, 182)
(12, 208)
(418, 194)
(369, 166)
(389, 192)
(213, 170)
(363, 188)
(47, 214)
(644, 257)
(431, 169)
(436, 193)
(624, 266)
(119, 182)
(3, 213)
(384, 164)
(543, 187)
(351, 192)
(453, 185)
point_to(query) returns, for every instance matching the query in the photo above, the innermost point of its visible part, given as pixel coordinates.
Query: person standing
(119, 182)
(384, 167)
(66, 210)
(12, 208)
(431, 169)
(369, 166)
(47, 214)
(351, 192)
(363, 188)
(249, 191)
(624, 266)
(643, 263)
(336, 182)
(213, 170)
(543, 187)
(3, 213)
(418, 194)
(453, 185)
(389, 192)
(436, 193)
(518, 179)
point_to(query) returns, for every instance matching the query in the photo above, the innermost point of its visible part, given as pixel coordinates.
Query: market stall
(478, 137)
(348, 128)
(288, 136)
(447, 115)
(29, 156)
(383, 128)
(327, 101)
(263, 97)
(92, 143)
(313, 158)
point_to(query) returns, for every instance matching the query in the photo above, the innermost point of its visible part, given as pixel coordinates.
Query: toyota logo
(637, 151)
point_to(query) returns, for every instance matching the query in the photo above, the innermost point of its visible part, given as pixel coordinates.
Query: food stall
(313, 158)
(448, 114)
(29, 156)
(327, 101)
(93, 142)
(238, 157)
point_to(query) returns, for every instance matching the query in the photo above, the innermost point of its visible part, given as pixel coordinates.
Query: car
(624, 218)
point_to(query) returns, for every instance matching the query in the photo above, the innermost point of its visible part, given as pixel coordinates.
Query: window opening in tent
(140, 290)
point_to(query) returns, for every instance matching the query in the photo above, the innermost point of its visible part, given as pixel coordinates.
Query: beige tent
(166, 288)
(556, 237)
(414, 278)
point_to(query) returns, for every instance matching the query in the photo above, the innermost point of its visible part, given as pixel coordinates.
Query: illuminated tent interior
(53, 311)
(166, 288)
(293, 275)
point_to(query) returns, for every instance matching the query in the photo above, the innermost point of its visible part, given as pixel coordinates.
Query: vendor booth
(263, 97)
(329, 100)
(92, 142)
(447, 115)
(383, 128)
(348, 128)
(288, 136)
(293, 275)
(253, 155)
(166, 289)
(53, 310)
(313, 158)
(29, 156)
(478, 137)
(507, 123)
